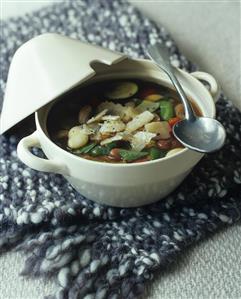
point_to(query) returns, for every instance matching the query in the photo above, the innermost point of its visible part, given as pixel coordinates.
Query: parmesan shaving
(139, 121)
(141, 139)
(111, 139)
(97, 117)
(112, 126)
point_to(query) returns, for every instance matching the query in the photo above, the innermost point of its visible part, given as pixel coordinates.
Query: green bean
(129, 155)
(156, 153)
(99, 151)
(166, 110)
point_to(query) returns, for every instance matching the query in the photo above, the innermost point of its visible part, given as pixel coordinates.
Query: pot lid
(44, 68)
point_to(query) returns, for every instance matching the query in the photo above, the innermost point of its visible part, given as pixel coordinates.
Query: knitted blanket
(95, 251)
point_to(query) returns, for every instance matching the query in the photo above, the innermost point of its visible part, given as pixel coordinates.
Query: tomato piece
(172, 121)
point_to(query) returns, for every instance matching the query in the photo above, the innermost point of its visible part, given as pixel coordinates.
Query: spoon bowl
(203, 134)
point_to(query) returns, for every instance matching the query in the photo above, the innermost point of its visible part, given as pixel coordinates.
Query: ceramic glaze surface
(131, 196)
(40, 56)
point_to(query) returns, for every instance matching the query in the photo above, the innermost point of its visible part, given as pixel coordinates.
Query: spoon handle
(159, 54)
(189, 113)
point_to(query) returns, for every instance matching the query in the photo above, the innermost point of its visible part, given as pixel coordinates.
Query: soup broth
(121, 121)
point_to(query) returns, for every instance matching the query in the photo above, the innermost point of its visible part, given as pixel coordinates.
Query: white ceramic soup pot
(122, 185)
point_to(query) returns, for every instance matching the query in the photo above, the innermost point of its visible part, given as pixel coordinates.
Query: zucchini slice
(121, 90)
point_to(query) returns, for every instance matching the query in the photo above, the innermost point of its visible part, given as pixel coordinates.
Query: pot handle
(214, 88)
(40, 164)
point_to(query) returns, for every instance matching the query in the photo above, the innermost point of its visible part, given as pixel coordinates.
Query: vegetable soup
(121, 121)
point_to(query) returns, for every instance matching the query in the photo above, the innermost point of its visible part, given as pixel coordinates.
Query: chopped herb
(99, 151)
(111, 145)
(85, 149)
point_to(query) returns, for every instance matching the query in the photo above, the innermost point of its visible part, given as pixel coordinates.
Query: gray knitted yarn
(96, 251)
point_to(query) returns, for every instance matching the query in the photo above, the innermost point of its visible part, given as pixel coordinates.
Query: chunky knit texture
(95, 251)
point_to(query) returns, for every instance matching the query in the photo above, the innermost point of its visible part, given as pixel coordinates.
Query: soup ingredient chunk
(99, 151)
(164, 144)
(112, 126)
(115, 154)
(131, 155)
(97, 117)
(176, 143)
(129, 113)
(117, 137)
(110, 117)
(85, 149)
(166, 110)
(179, 110)
(121, 90)
(84, 114)
(112, 108)
(162, 128)
(130, 104)
(139, 121)
(90, 129)
(77, 137)
(141, 139)
(173, 121)
(121, 121)
(153, 97)
(147, 106)
(156, 153)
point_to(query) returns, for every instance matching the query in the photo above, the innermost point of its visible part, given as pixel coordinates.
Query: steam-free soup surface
(121, 121)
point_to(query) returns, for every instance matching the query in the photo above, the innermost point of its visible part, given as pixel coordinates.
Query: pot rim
(118, 165)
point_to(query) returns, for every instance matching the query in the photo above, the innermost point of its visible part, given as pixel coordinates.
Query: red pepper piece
(173, 121)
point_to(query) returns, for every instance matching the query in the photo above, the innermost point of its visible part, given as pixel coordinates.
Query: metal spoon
(201, 134)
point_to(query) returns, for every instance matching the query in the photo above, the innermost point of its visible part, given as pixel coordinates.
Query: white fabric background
(208, 32)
